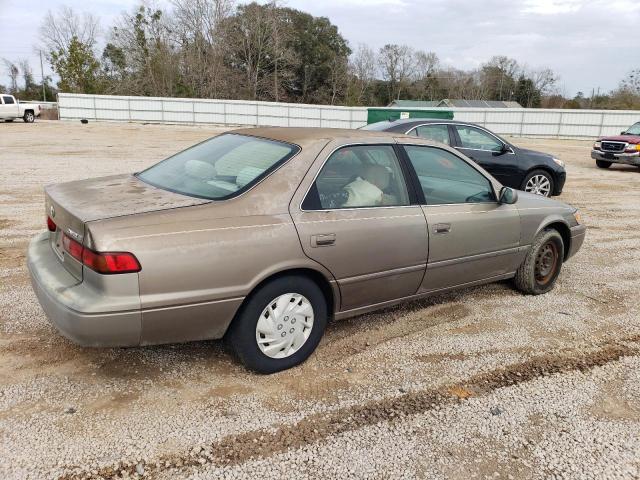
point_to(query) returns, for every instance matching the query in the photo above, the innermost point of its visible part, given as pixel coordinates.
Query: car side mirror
(508, 196)
(623, 132)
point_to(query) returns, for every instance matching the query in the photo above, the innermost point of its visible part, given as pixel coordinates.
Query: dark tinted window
(359, 176)
(219, 168)
(477, 139)
(8, 100)
(437, 133)
(446, 178)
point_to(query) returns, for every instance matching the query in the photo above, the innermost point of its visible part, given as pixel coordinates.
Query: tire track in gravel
(263, 443)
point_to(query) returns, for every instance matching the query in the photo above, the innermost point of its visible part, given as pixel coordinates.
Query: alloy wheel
(538, 184)
(284, 325)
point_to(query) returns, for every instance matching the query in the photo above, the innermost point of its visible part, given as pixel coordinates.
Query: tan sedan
(263, 235)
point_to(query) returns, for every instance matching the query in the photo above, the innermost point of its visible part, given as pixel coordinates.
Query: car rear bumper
(82, 313)
(624, 158)
(577, 239)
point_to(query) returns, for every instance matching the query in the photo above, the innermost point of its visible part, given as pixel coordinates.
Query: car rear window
(219, 168)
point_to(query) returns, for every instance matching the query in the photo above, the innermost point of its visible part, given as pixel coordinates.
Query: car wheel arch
(563, 229)
(330, 293)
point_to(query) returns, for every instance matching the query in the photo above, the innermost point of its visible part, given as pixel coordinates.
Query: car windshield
(219, 168)
(633, 129)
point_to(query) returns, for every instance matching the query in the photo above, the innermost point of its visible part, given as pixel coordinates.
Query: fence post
(95, 111)
(521, 122)
(162, 108)
(193, 111)
(601, 124)
(559, 125)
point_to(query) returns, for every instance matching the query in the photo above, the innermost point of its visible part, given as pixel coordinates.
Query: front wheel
(280, 325)
(539, 182)
(541, 266)
(29, 117)
(602, 164)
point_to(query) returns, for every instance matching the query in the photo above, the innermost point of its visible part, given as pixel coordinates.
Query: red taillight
(110, 262)
(51, 225)
(72, 247)
(101, 262)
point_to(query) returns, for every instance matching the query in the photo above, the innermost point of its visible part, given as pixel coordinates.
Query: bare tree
(13, 72)
(544, 80)
(426, 65)
(363, 68)
(397, 65)
(198, 28)
(58, 29)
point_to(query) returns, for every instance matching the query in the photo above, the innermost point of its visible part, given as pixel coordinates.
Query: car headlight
(633, 148)
(578, 217)
(597, 145)
(558, 161)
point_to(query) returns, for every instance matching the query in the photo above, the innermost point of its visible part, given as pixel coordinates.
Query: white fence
(526, 122)
(202, 111)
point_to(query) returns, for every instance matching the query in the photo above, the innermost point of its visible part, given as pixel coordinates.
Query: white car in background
(11, 108)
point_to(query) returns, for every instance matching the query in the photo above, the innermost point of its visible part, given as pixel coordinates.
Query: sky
(590, 44)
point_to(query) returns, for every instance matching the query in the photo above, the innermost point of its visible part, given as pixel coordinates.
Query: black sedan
(513, 166)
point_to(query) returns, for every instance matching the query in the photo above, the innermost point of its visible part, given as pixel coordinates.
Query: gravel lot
(481, 383)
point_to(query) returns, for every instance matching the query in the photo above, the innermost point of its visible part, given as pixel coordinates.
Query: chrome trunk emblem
(52, 211)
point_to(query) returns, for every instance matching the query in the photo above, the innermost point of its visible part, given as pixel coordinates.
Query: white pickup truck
(10, 109)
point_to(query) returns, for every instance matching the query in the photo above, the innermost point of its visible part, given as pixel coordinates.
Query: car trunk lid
(72, 205)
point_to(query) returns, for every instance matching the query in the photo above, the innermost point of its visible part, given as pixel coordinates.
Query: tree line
(217, 49)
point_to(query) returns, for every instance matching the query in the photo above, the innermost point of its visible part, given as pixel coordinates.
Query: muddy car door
(355, 215)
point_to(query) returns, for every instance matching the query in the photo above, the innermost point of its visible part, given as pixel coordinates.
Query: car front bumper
(84, 314)
(578, 233)
(624, 158)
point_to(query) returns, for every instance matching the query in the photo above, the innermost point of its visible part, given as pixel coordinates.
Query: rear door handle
(323, 240)
(442, 228)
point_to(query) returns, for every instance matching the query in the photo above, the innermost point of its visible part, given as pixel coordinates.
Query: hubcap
(30, 116)
(284, 325)
(546, 263)
(538, 184)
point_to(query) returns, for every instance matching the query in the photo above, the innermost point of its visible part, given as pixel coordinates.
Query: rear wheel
(602, 164)
(280, 325)
(539, 182)
(29, 117)
(541, 266)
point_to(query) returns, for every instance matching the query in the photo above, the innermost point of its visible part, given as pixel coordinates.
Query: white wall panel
(526, 121)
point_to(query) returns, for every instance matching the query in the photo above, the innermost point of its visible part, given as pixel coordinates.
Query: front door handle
(442, 228)
(323, 240)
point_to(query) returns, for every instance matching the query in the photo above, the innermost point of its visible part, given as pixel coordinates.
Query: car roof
(306, 135)
(386, 125)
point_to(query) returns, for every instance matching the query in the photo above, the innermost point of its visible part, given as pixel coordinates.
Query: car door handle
(442, 228)
(323, 240)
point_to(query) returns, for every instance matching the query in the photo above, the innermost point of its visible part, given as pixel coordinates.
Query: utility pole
(44, 92)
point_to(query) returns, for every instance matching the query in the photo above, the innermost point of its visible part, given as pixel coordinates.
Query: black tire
(532, 277)
(602, 164)
(29, 117)
(534, 173)
(242, 333)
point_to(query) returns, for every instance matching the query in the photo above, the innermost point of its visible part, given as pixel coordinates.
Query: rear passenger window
(437, 133)
(7, 100)
(445, 178)
(359, 176)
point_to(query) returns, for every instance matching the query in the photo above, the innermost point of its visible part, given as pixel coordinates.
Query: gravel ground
(481, 383)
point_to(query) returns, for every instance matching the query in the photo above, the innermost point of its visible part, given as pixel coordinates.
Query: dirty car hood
(114, 196)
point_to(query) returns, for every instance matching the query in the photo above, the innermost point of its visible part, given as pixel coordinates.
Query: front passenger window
(445, 178)
(359, 176)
